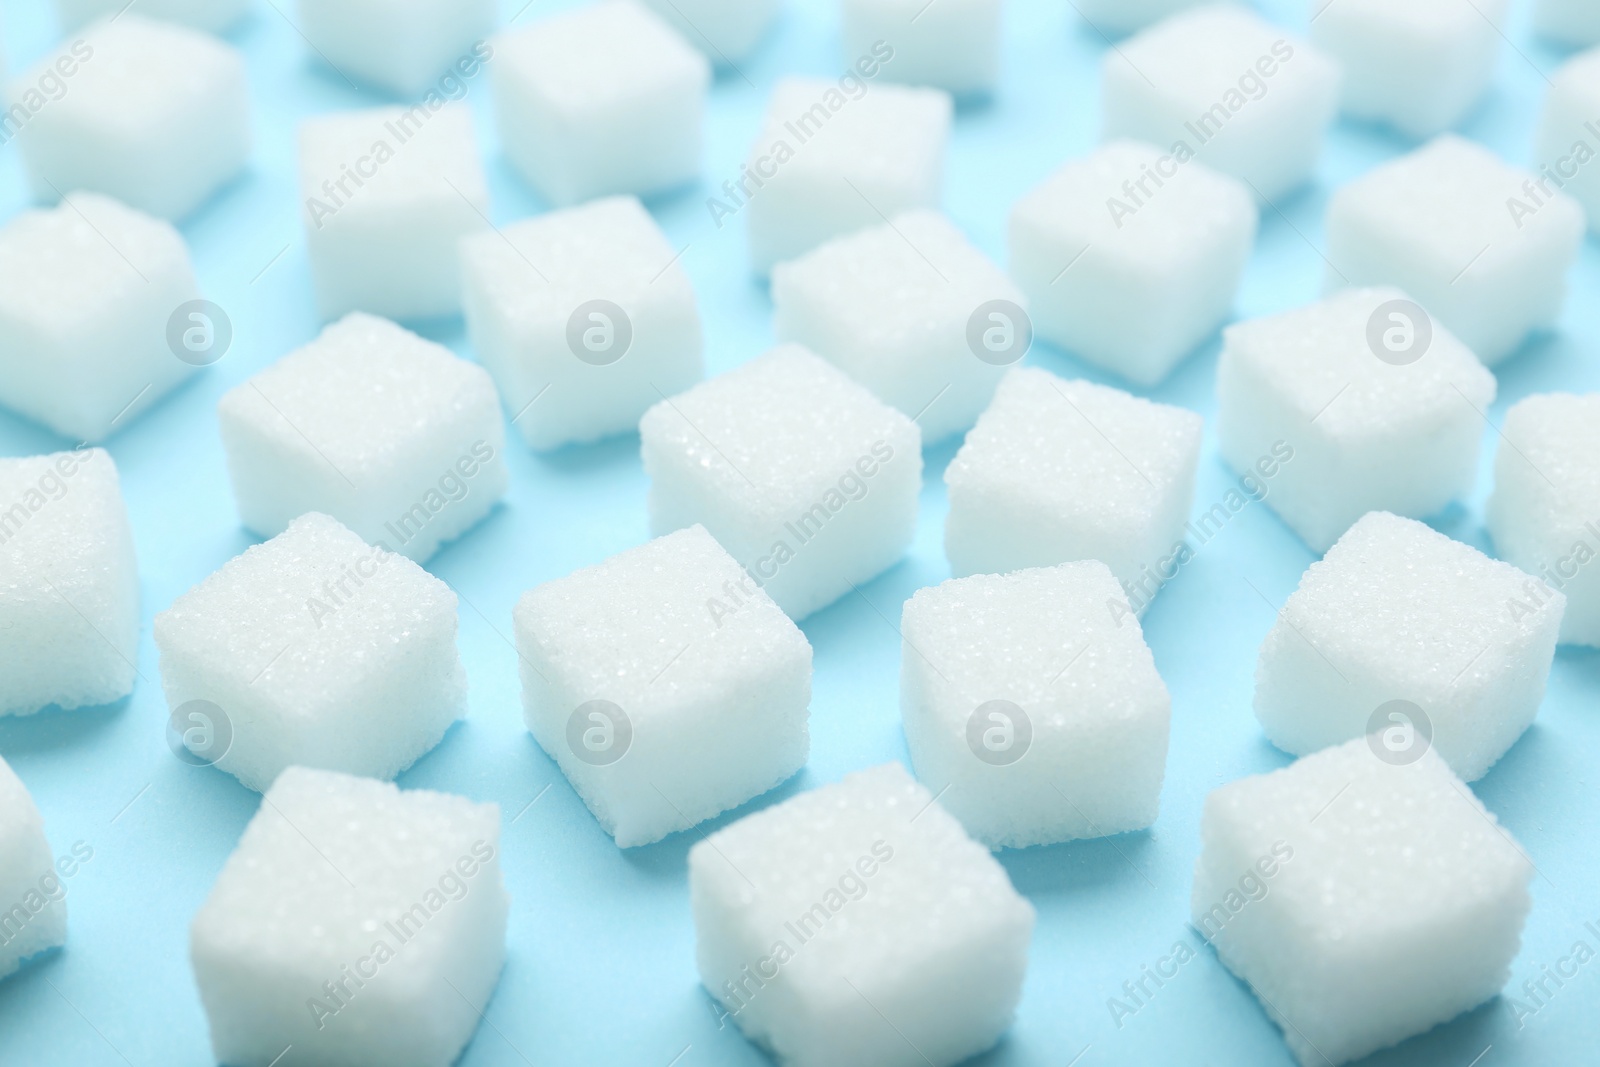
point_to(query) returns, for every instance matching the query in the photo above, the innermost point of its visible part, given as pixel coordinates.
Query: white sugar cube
(805, 477)
(1469, 237)
(388, 433)
(665, 683)
(1572, 22)
(1032, 704)
(952, 45)
(1116, 17)
(152, 113)
(388, 195)
(89, 291)
(407, 47)
(725, 30)
(213, 16)
(858, 926)
(835, 156)
(69, 584)
(1238, 93)
(1132, 256)
(32, 896)
(1060, 471)
(1569, 133)
(603, 99)
(317, 649)
(354, 923)
(584, 317)
(1363, 902)
(1398, 612)
(1363, 403)
(1544, 514)
(896, 306)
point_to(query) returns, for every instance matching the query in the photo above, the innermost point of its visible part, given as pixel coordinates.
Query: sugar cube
(353, 923)
(898, 307)
(213, 16)
(665, 683)
(1544, 513)
(388, 433)
(389, 193)
(1363, 901)
(805, 477)
(1108, 18)
(1569, 132)
(1219, 84)
(152, 113)
(33, 910)
(316, 649)
(857, 925)
(953, 45)
(1399, 614)
(407, 47)
(725, 30)
(835, 156)
(1469, 237)
(1571, 22)
(90, 291)
(588, 304)
(1058, 471)
(69, 583)
(1132, 256)
(1360, 402)
(1032, 703)
(603, 99)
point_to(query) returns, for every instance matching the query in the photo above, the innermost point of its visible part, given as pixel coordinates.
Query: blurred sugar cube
(1570, 22)
(1363, 902)
(857, 925)
(665, 683)
(69, 583)
(213, 16)
(1059, 471)
(725, 30)
(953, 45)
(804, 476)
(1117, 17)
(152, 113)
(836, 156)
(388, 433)
(1400, 627)
(355, 923)
(599, 100)
(1568, 138)
(406, 47)
(89, 290)
(1032, 704)
(1544, 513)
(1132, 256)
(317, 649)
(584, 317)
(36, 915)
(388, 194)
(896, 306)
(1360, 402)
(1479, 243)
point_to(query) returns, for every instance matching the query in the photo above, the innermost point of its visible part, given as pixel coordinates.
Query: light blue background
(601, 964)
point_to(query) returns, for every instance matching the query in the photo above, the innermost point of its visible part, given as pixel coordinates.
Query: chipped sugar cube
(857, 925)
(725, 30)
(1108, 17)
(33, 910)
(213, 16)
(406, 47)
(1571, 22)
(354, 923)
(1569, 132)
(953, 45)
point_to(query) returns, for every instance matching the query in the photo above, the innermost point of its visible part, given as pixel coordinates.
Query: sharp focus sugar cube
(896, 306)
(858, 926)
(213, 16)
(1031, 701)
(805, 477)
(600, 100)
(666, 684)
(354, 923)
(404, 46)
(952, 45)
(33, 910)
(1573, 22)
(1132, 257)
(389, 194)
(1111, 17)
(69, 584)
(318, 649)
(1399, 620)
(1569, 132)
(1359, 403)
(1058, 471)
(1219, 83)
(1544, 514)
(388, 433)
(725, 30)
(154, 114)
(836, 156)
(88, 292)
(584, 317)
(1363, 902)
(1472, 239)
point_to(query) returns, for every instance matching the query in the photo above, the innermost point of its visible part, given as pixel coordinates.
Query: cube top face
(1555, 444)
(66, 526)
(888, 140)
(377, 160)
(1439, 23)
(1346, 366)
